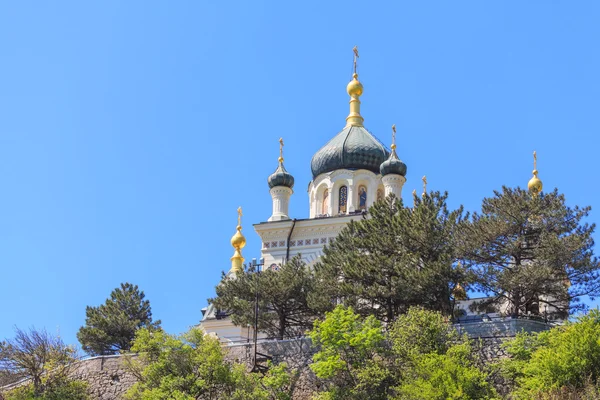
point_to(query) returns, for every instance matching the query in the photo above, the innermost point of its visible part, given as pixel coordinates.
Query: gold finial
(393, 137)
(535, 184)
(238, 241)
(355, 90)
(424, 179)
(280, 150)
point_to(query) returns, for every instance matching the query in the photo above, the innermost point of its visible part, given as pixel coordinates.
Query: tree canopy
(421, 357)
(531, 253)
(45, 361)
(397, 258)
(192, 367)
(110, 328)
(563, 359)
(282, 295)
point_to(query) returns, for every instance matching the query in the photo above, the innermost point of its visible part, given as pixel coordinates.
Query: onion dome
(535, 185)
(238, 241)
(459, 292)
(393, 165)
(353, 148)
(280, 177)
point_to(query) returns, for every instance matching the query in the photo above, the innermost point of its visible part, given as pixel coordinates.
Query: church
(353, 170)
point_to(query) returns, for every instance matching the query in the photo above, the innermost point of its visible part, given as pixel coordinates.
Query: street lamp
(256, 268)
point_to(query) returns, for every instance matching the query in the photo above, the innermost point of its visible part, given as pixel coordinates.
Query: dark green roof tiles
(393, 165)
(280, 178)
(353, 148)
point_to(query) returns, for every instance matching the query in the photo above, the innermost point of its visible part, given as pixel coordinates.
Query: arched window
(362, 198)
(379, 194)
(343, 200)
(324, 205)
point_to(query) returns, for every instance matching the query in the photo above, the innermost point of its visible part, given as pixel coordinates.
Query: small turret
(393, 170)
(281, 184)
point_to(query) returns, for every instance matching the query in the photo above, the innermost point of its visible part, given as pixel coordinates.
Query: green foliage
(420, 332)
(110, 328)
(433, 360)
(397, 258)
(60, 390)
(566, 357)
(351, 357)
(451, 375)
(525, 252)
(193, 367)
(420, 357)
(283, 299)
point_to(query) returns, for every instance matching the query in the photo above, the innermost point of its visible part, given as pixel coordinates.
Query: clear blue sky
(131, 131)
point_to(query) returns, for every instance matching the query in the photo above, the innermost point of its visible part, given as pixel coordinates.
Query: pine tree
(282, 294)
(397, 258)
(110, 328)
(531, 253)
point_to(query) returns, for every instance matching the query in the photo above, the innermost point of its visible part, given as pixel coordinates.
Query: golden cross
(394, 134)
(534, 160)
(424, 179)
(355, 50)
(280, 149)
(239, 210)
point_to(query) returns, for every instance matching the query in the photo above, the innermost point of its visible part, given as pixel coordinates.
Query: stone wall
(296, 353)
(107, 376)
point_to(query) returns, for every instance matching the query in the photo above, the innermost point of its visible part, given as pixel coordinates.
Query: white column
(393, 184)
(372, 193)
(281, 201)
(351, 205)
(332, 197)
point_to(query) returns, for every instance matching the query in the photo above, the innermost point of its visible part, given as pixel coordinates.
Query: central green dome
(353, 148)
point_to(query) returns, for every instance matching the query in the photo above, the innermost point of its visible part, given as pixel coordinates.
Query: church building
(350, 172)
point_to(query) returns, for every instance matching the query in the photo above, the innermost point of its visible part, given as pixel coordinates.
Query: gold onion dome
(354, 88)
(535, 185)
(238, 241)
(459, 292)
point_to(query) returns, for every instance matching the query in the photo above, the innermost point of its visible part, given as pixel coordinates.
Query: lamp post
(256, 268)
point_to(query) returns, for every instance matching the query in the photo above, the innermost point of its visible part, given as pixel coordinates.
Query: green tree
(45, 361)
(192, 367)
(110, 328)
(397, 258)
(565, 358)
(531, 253)
(64, 389)
(434, 361)
(452, 375)
(282, 294)
(352, 358)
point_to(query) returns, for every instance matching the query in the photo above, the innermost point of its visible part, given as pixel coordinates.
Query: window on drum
(343, 200)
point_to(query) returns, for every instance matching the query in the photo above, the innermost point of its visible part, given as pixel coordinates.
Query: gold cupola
(535, 185)
(355, 90)
(238, 241)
